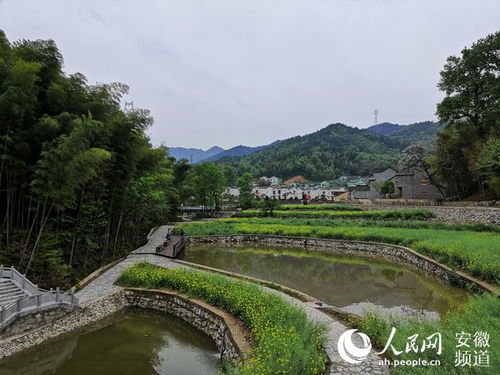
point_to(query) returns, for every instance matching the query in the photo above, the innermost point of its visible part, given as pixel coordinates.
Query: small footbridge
(172, 246)
(19, 297)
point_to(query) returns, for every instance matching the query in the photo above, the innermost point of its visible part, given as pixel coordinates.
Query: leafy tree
(471, 83)
(489, 164)
(207, 182)
(245, 184)
(268, 206)
(489, 160)
(470, 113)
(387, 188)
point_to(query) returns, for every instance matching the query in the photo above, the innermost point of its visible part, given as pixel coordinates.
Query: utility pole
(375, 113)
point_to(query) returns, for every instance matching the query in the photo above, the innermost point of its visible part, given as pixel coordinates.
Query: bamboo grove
(80, 183)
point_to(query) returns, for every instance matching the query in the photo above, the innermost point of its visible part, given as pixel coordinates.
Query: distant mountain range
(325, 154)
(196, 155)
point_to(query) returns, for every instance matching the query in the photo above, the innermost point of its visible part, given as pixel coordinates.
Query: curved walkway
(104, 285)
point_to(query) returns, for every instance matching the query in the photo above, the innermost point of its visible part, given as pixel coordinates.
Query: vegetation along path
(104, 284)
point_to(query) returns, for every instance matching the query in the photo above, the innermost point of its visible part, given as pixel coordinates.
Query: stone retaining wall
(450, 214)
(197, 314)
(400, 254)
(202, 316)
(33, 321)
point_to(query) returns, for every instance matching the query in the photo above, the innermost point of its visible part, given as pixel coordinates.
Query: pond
(135, 342)
(355, 284)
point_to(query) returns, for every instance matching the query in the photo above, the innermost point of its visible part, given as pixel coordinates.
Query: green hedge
(286, 341)
(379, 214)
(475, 252)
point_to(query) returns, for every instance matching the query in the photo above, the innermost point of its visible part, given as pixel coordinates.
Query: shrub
(286, 341)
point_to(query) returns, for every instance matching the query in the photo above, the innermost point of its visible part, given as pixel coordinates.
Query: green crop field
(322, 207)
(376, 214)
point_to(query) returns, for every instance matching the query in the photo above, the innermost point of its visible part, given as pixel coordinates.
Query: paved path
(104, 285)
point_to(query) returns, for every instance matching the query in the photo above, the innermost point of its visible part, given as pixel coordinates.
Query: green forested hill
(330, 152)
(421, 132)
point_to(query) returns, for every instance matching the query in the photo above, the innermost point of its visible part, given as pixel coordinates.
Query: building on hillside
(407, 186)
(234, 191)
(292, 192)
(352, 181)
(414, 186)
(361, 192)
(270, 180)
(384, 175)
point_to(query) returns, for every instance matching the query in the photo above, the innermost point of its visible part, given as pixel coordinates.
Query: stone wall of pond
(201, 317)
(195, 313)
(400, 254)
(33, 321)
(450, 214)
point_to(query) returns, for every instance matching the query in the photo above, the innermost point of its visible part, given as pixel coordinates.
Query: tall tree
(245, 184)
(207, 182)
(470, 112)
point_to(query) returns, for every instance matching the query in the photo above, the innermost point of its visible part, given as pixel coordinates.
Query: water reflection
(353, 283)
(134, 342)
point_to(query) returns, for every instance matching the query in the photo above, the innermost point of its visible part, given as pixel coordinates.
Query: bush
(286, 341)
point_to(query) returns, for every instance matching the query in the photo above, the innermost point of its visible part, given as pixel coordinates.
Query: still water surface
(135, 342)
(353, 283)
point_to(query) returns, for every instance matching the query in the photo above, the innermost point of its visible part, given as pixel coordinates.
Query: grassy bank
(380, 214)
(410, 224)
(322, 207)
(480, 314)
(474, 252)
(286, 341)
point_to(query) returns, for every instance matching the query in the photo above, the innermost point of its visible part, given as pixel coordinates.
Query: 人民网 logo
(349, 351)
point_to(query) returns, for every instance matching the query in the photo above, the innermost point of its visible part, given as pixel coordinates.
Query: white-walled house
(273, 180)
(290, 192)
(234, 191)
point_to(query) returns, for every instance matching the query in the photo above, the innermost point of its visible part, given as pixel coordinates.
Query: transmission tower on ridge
(129, 105)
(375, 113)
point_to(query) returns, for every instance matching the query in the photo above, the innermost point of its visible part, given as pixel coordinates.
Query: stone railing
(20, 280)
(34, 300)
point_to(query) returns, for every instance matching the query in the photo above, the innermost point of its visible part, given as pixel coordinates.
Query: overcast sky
(250, 72)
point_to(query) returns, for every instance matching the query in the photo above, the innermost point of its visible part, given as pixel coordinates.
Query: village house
(407, 186)
(270, 180)
(293, 192)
